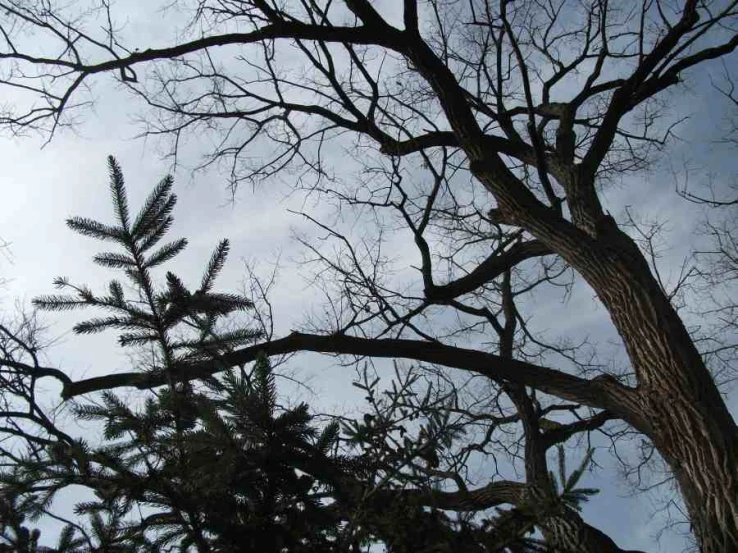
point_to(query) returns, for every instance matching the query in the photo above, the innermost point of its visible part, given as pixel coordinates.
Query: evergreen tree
(214, 467)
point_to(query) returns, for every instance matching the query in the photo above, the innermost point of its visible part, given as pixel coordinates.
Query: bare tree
(487, 130)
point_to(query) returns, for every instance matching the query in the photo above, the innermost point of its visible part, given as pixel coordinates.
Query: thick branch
(598, 394)
(488, 270)
(282, 30)
(566, 431)
(622, 101)
(486, 497)
(36, 371)
(516, 149)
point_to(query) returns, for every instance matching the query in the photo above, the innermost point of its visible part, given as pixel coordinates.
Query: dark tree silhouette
(538, 103)
(219, 464)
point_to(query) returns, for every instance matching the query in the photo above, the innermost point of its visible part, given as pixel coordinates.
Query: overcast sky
(41, 187)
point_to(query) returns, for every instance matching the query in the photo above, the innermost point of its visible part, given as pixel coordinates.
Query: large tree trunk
(677, 404)
(567, 532)
(680, 407)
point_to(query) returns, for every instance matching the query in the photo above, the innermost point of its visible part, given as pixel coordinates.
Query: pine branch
(165, 253)
(118, 192)
(220, 341)
(177, 289)
(218, 304)
(114, 260)
(95, 229)
(156, 234)
(156, 209)
(56, 302)
(137, 338)
(328, 437)
(140, 280)
(576, 476)
(116, 293)
(93, 326)
(294, 422)
(215, 265)
(266, 389)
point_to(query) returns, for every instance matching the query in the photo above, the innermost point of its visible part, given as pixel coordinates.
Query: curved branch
(565, 431)
(600, 393)
(282, 30)
(480, 499)
(489, 269)
(38, 372)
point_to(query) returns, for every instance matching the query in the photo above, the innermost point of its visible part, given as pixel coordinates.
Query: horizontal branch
(283, 30)
(480, 499)
(37, 371)
(463, 500)
(515, 149)
(513, 493)
(595, 393)
(565, 431)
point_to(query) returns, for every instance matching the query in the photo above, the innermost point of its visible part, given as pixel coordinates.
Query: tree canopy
(487, 131)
